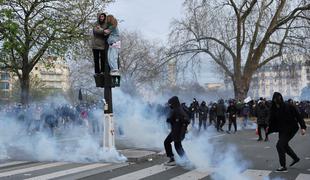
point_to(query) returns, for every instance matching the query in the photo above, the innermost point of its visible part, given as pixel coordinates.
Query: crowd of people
(48, 117)
(273, 116)
(217, 113)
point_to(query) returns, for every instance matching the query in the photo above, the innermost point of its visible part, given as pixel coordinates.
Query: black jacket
(232, 111)
(178, 119)
(284, 118)
(262, 114)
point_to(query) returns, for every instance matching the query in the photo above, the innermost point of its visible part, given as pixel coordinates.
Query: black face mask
(278, 100)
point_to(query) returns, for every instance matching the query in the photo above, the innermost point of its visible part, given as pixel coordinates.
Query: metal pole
(109, 135)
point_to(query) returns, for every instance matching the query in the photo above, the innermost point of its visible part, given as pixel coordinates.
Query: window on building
(4, 85)
(5, 76)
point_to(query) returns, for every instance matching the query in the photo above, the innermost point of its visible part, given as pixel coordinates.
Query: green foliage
(30, 31)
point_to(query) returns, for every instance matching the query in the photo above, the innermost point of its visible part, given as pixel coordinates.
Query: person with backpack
(179, 121)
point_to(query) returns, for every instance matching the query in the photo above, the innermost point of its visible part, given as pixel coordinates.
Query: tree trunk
(25, 87)
(241, 87)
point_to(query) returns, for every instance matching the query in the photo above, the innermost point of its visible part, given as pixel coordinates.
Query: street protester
(212, 114)
(232, 116)
(203, 115)
(114, 44)
(284, 119)
(179, 121)
(262, 114)
(99, 42)
(194, 108)
(220, 115)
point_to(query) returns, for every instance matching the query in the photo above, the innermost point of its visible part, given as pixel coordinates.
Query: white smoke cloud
(145, 128)
(72, 144)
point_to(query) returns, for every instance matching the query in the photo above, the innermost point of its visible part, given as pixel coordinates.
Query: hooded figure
(99, 42)
(203, 115)
(284, 118)
(179, 121)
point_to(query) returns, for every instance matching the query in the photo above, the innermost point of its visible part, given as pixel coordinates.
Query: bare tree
(241, 36)
(140, 61)
(33, 29)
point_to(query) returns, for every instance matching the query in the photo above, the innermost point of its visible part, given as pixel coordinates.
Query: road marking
(12, 163)
(69, 171)
(193, 175)
(143, 173)
(256, 174)
(20, 171)
(303, 177)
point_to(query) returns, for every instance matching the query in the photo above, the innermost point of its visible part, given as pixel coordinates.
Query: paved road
(261, 156)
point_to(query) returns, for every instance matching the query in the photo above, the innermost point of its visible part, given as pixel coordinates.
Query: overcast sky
(152, 19)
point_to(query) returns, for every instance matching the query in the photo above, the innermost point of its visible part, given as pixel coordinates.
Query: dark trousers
(99, 59)
(283, 147)
(202, 122)
(220, 122)
(177, 145)
(259, 130)
(232, 120)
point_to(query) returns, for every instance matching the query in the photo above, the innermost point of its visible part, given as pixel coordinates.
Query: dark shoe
(171, 162)
(294, 162)
(266, 139)
(259, 139)
(228, 132)
(282, 169)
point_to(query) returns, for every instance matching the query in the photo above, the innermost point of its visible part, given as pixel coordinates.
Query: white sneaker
(114, 72)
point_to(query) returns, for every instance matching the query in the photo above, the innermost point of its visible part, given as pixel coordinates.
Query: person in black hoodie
(284, 118)
(262, 114)
(179, 121)
(232, 116)
(203, 115)
(220, 115)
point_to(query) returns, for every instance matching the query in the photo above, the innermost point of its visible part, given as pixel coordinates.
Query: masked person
(284, 119)
(179, 121)
(232, 116)
(203, 115)
(262, 114)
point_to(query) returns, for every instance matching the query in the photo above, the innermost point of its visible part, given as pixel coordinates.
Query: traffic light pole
(109, 133)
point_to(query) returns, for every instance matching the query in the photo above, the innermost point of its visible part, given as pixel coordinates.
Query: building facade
(286, 78)
(54, 75)
(5, 85)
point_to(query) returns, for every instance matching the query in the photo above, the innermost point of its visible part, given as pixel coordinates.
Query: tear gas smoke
(144, 127)
(28, 134)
